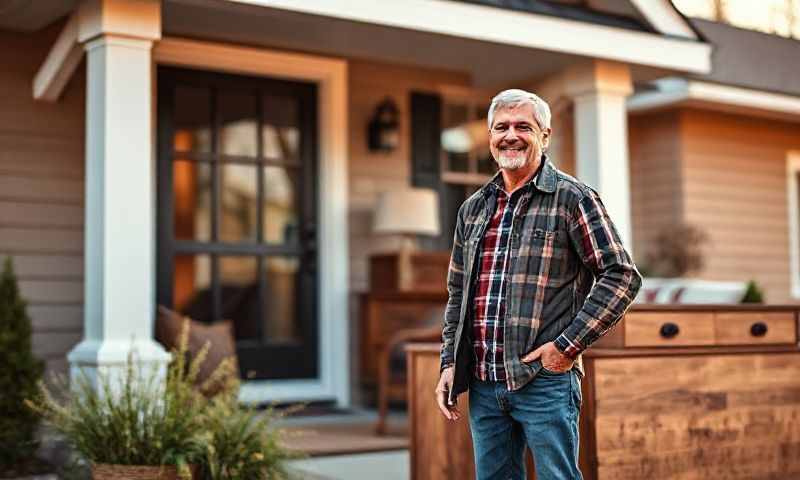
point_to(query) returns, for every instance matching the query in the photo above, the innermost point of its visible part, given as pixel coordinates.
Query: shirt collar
(544, 179)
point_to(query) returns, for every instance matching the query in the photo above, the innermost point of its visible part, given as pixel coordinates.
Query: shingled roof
(750, 59)
(571, 12)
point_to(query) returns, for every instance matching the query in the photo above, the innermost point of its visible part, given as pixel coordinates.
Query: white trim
(793, 197)
(674, 91)
(664, 18)
(480, 22)
(331, 77)
(119, 211)
(60, 64)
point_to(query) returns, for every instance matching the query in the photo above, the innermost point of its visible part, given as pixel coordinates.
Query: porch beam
(673, 92)
(119, 240)
(60, 64)
(481, 22)
(599, 90)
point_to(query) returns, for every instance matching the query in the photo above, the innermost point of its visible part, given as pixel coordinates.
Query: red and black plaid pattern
(489, 304)
(568, 279)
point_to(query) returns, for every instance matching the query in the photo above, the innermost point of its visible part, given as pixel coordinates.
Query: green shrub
(134, 417)
(20, 372)
(140, 420)
(244, 444)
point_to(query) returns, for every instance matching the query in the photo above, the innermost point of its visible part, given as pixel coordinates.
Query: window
(793, 197)
(466, 162)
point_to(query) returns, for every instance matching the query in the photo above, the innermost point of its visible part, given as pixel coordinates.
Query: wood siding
(722, 172)
(371, 173)
(655, 160)
(41, 194)
(734, 182)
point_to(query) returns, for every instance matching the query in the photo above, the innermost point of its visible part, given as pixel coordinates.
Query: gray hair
(515, 96)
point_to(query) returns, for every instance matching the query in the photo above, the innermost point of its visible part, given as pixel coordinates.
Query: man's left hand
(552, 359)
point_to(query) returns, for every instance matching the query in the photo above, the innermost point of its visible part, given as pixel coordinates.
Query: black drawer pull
(669, 330)
(759, 329)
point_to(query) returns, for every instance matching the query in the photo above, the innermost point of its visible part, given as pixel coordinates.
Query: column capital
(118, 40)
(598, 77)
(135, 19)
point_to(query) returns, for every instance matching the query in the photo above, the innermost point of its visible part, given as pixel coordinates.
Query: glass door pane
(237, 213)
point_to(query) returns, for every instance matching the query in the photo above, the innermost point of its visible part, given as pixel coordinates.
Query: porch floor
(345, 446)
(344, 433)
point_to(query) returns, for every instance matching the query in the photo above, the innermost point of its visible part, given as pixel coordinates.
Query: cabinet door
(732, 416)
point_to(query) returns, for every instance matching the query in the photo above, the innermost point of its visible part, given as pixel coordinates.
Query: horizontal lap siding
(654, 141)
(734, 173)
(42, 194)
(371, 173)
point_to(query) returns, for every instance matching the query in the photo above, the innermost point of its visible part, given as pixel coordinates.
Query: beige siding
(734, 173)
(371, 173)
(562, 142)
(654, 142)
(41, 194)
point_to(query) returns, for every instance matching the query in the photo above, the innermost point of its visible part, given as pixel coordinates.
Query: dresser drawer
(755, 328)
(668, 329)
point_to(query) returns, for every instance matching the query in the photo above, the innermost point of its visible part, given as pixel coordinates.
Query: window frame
(169, 247)
(793, 199)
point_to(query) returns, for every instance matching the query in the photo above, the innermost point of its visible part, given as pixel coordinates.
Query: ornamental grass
(140, 417)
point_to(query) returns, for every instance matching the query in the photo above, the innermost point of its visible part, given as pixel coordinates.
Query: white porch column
(119, 253)
(599, 90)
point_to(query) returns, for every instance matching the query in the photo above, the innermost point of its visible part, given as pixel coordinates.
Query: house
(212, 155)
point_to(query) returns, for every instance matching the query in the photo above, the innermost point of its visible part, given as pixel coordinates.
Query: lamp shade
(407, 211)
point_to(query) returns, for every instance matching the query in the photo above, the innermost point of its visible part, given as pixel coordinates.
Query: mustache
(521, 145)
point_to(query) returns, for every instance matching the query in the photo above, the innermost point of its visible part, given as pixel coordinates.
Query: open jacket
(570, 281)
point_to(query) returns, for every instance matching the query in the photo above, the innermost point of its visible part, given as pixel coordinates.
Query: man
(537, 273)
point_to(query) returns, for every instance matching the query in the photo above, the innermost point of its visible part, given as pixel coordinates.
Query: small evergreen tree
(753, 293)
(20, 372)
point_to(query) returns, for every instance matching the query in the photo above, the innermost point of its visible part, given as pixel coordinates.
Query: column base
(109, 359)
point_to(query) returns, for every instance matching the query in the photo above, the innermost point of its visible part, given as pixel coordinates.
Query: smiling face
(516, 141)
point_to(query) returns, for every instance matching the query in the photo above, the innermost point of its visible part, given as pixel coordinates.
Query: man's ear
(546, 136)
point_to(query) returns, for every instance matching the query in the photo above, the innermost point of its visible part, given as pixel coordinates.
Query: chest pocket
(542, 254)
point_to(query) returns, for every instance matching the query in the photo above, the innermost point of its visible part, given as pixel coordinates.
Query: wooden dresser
(705, 392)
(384, 313)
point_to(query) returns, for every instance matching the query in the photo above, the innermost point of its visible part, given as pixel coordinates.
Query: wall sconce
(383, 131)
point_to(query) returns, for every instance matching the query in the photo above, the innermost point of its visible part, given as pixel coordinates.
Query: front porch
(352, 59)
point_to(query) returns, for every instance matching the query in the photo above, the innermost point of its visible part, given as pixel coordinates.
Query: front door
(237, 197)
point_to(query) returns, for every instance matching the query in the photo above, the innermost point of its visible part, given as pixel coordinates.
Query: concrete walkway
(365, 466)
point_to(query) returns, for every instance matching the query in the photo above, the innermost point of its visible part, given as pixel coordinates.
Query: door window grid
(218, 186)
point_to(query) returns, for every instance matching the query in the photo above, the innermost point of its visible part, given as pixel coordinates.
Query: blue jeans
(544, 414)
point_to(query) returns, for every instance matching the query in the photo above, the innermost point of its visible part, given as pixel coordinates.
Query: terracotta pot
(104, 471)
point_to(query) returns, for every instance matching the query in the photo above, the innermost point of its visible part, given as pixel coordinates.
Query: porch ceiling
(269, 27)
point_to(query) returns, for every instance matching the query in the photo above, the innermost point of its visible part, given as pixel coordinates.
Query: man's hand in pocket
(552, 359)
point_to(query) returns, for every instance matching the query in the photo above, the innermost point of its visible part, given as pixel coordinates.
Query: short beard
(511, 163)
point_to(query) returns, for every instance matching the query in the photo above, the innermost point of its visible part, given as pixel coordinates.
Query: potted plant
(140, 428)
(243, 443)
(135, 425)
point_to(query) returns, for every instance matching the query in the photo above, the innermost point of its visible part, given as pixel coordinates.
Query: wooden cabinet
(409, 271)
(691, 414)
(755, 328)
(722, 402)
(653, 326)
(383, 314)
(439, 448)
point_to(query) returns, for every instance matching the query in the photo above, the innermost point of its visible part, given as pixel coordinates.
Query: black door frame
(257, 360)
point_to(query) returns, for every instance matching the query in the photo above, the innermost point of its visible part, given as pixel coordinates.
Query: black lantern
(383, 132)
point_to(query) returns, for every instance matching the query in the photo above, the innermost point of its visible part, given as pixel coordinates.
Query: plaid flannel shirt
(571, 279)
